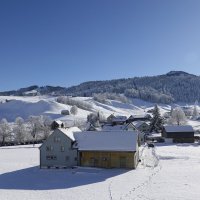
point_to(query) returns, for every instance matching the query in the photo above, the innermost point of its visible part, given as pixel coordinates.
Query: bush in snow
(65, 112)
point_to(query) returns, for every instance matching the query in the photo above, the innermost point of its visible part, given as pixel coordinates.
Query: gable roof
(106, 141)
(181, 129)
(139, 123)
(122, 127)
(69, 132)
(58, 122)
(141, 116)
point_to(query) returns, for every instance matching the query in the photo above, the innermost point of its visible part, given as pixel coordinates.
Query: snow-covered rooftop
(137, 124)
(145, 115)
(59, 122)
(119, 118)
(173, 128)
(70, 132)
(106, 141)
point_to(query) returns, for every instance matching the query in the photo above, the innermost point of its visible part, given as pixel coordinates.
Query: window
(52, 157)
(56, 139)
(49, 148)
(62, 148)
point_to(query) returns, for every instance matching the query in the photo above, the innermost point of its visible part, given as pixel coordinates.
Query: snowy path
(175, 177)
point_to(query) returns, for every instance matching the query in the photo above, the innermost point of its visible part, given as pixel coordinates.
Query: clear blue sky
(66, 42)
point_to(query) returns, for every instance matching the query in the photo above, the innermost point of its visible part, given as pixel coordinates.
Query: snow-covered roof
(145, 115)
(106, 141)
(181, 129)
(70, 132)
(139, 123)
(119, 118)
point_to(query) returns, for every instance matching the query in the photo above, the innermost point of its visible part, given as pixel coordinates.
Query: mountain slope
(175, 86)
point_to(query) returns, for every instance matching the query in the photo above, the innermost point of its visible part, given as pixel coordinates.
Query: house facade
(178, 134)
(57, 151)
(107, 149)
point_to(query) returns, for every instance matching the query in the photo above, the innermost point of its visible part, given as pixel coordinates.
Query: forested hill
(175, 86)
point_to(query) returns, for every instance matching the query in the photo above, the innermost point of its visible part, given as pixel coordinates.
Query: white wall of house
(57, 151)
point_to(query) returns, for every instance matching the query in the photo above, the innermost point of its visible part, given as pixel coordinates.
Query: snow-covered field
(176, 177)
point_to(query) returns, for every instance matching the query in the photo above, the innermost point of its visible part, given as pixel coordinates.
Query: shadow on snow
(47, 179)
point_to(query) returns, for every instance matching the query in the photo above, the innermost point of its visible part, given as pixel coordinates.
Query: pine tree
(156, 121)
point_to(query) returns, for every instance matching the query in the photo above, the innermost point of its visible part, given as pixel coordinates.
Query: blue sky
(66, 42)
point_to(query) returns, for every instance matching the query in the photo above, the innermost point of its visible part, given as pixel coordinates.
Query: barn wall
(108, 159)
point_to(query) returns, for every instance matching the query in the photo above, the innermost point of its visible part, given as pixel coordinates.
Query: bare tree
(36, 126)
(5, 130)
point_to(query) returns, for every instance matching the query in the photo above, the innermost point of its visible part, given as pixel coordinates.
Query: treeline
(36, 128)
(103, 97)
(74, 102)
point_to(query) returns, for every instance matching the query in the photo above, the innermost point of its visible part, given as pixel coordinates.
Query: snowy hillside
(176, 176)
(13, 106)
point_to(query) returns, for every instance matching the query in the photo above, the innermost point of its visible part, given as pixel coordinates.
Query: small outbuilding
(178, 134)
(57, 151)
(112, 149)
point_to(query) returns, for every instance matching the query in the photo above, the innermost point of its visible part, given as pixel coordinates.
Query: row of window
(50, 148)
(53, 157)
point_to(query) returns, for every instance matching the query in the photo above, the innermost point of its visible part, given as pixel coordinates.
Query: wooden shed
(178, 134)
(108, 149)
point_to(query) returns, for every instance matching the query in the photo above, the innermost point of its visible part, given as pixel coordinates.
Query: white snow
(106, 140)
(176, 176)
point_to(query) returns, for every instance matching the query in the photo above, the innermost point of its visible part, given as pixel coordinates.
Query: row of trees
(35, 128)
(74, 102)
(177, 117)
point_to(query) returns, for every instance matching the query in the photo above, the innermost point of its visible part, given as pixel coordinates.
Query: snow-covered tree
(36, 126)
(74, 110)
(5, 130)
(178, 117)
(19, 130)
(156, 121)
(45, 126)
(195, 113)
(93, 118)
